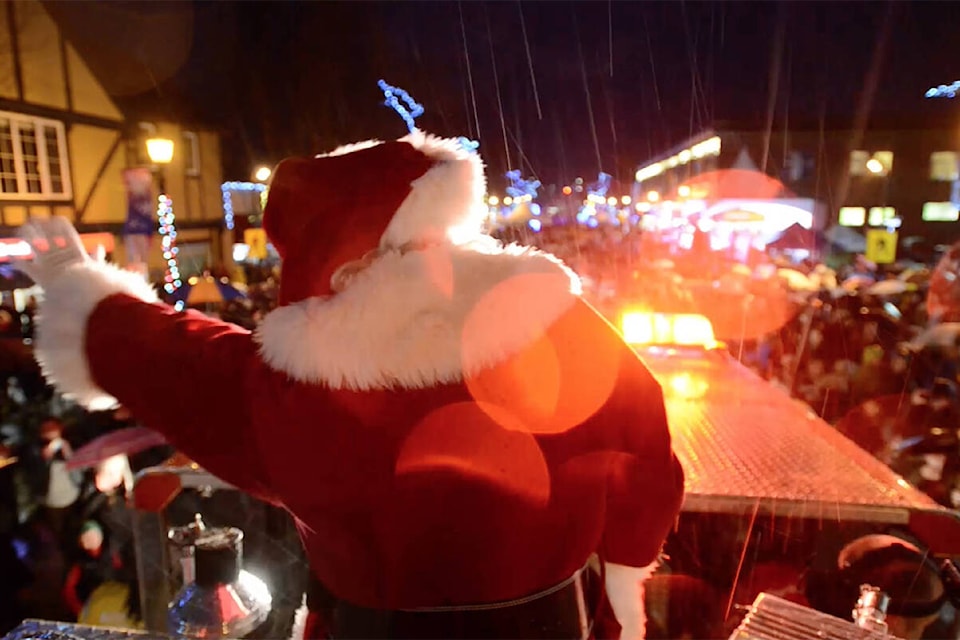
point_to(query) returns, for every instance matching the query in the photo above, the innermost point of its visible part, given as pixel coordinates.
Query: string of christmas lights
(944, 90)
(413, 110)
(227, 189)
(519, 187)
(409, 112)
(168, 243)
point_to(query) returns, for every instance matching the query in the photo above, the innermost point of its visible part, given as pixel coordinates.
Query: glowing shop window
(879, 216)
(885, 160)
(940, 212)
(943, 167)
(852, 216)
(858, 163)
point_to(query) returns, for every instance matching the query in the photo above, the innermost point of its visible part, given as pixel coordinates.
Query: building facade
(895, 177)
(65, 147)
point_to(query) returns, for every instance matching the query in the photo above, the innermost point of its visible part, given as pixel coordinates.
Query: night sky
(583, 86)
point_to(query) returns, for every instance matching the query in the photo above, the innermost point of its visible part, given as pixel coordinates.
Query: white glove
(625, 591)
(56, 248)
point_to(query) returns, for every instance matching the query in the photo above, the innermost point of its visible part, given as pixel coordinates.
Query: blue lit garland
(227, 188)
(601, 186)
(168, 243)
(393, 95)
(413, 110)
(520, 187)
(944, 90)
(468, 144)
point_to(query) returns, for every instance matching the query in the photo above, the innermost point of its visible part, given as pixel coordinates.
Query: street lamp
(262, 174)
(160, 151)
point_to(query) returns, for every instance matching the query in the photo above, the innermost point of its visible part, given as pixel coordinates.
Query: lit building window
(862, 163)
(858, 163)
(33, 159)
(852, 216)
(880, 164)
(943, 167)
(880, 216)
(940, 212)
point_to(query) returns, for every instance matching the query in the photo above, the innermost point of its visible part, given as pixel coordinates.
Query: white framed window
(191, 153)
(943, 166)
(852, 216)
(863, 163)
(33, 159)
(940, 212)
(881, 216)
(858, 162)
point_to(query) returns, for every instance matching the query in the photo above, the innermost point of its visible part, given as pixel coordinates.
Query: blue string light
(409, 112)
(468, 144)
(601, 186)
(227, 189)
(413, 110)
(519, 187)
(944, 90)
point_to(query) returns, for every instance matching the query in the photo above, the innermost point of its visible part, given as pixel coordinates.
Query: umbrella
(797, 280)
(847, 239)
(128, 441)
(854, 282)
(12, 279)
(207, 290)
(944, 335)
(794, 237)
(890, 287)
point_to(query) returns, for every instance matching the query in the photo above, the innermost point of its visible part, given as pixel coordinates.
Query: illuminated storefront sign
(17, 249)
(706, 148)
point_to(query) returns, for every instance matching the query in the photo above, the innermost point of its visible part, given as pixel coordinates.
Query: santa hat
(329, 210)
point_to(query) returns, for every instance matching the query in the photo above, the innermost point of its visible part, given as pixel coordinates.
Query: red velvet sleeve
(646, 483)
(185, 375)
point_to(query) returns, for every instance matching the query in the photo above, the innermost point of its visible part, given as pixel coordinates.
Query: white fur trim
(67, 304)
(421, 318)
(625, 591)
(446, 202)
(350, 148)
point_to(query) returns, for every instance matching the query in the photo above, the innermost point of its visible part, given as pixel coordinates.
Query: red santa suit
(449, 421)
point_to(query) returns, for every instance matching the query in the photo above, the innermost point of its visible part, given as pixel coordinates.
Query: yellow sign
(256, 239)
(881, 246)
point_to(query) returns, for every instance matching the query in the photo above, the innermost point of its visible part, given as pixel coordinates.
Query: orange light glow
(688, 385)
(567, 191)
(683, 329)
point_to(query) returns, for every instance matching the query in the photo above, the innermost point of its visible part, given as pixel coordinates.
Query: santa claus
(455, 429)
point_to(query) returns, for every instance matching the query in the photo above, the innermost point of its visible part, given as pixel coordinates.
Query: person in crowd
(94, 566)
(113, 483)
(63, 486)
(15, 576)
(115, 602)
(456, 430)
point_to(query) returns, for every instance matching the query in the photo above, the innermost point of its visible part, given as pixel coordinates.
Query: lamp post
(262, 173)
(160, 151)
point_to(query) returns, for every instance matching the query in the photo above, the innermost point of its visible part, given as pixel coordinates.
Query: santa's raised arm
(458, 431)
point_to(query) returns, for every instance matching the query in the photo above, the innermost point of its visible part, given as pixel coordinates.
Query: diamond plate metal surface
(773, 618)
(742, 440)
(50, 630)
